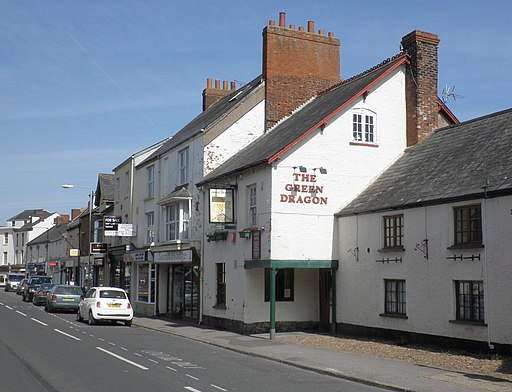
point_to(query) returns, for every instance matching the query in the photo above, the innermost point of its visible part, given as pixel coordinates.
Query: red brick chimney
(212, 95)
(62, 219)
(421, 85)
(297, 65)
(75, 212)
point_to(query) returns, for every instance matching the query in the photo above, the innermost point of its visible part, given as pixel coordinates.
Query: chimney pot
(311, 26)
(271, 22)
(225, 84)
(217, 83)
(209, 83)
(233, 86)
(301, 28)
(321, 32)
(331, 34)
(282, 19)
(292, 27)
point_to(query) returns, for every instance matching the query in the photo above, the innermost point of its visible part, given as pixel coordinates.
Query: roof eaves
(324, 120)
(449, 113)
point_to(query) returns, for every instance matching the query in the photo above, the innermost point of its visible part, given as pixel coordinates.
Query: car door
(88, 301)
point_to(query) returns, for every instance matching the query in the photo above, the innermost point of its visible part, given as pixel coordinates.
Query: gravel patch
(491, 365)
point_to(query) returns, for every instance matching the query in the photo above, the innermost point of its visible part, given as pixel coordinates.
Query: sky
(84, 84)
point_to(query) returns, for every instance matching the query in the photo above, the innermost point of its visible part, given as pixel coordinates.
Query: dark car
(12, 281)
(32, 285)
(63, 297)
(41, 293)
(22, 286)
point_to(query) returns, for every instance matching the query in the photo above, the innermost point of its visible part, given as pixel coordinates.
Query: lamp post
(91, 198)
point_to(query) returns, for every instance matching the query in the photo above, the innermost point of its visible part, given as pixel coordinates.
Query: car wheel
(79, 316)
(128, 323)
(50, 310)
(91, 320)
(23, 298)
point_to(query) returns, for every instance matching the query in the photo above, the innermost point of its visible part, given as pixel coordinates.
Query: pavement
(380, 372)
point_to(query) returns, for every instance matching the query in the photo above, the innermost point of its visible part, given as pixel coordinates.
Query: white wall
(430, 287)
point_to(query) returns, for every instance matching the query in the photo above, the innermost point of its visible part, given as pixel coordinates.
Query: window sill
(466, 246)
(467, 322)
(221, 307)
(364, 144)
(149, 198)
(392, 249)
(394, 315)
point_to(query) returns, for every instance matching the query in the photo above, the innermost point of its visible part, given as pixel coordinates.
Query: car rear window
(112, 294)
(68, 290)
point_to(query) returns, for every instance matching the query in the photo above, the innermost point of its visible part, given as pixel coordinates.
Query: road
(53, 352)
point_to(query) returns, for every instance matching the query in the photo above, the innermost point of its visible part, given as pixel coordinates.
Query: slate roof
(27, 214)
(54, 233)
(105, 188)
(205, 119)
(301, 123)
(454, 163)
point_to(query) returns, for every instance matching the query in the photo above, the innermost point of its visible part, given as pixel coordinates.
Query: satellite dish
(449, 94)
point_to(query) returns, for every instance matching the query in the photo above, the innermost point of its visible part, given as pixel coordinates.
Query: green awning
(282, 264)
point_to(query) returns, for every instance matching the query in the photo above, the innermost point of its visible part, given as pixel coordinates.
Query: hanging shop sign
(98, 248)
(221, 205)
(303, 190)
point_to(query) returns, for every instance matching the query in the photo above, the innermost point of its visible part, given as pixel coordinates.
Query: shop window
(146, 282)
(284, 285)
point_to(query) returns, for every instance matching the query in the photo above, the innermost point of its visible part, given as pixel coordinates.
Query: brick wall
(421, 85)
(212, 94)
(297, 64)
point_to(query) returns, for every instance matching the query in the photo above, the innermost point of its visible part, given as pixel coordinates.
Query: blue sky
(86, 83)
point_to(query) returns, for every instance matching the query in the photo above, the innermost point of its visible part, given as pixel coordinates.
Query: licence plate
(68, 299)
(114, 305)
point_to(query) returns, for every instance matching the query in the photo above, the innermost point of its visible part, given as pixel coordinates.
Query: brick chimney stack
(297, 65)
(212, 95)
(421, 85)
(62, 219)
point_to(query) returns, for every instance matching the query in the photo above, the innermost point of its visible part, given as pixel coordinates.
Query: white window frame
(151, 181)
(177, 224)
(127, 183)
(364, 126)
(252, 209)
(184, 165)
(150, 227)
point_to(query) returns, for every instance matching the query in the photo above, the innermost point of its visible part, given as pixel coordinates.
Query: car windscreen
(112, 294)
(68, 290)
(15, 278)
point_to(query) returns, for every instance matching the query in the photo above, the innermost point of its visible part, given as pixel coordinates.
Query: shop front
(179, 277)
(140, 282)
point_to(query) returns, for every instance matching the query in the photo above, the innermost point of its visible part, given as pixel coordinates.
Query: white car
(105, 303)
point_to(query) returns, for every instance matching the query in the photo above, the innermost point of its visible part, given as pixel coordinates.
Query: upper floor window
(6, 238)
(470, 300)
(151, 181)
(394, 297)
(127, 183)
(183, 156)
(468, 225)
(177, 218)
(22, 239)
(17, 239)
(5, 258)
(251, 195)
(118, 189)
(150, 223)
(364, 126)
(393, 231)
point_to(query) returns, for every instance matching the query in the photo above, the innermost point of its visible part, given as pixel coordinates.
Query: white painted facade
(430, 283)
(303, 230)
(7, 245)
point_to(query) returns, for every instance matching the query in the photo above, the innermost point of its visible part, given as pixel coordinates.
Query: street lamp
(91, 198)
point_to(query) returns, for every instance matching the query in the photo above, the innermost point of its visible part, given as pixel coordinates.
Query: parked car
(12, 281)
(32, 285)
(63, 297)
(22, 286)
(105, 303)
(41, 293)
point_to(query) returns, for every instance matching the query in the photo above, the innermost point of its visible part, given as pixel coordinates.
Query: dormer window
(364, 126)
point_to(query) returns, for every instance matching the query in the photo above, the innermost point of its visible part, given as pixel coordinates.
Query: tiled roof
(454, 163)
(205, 119)
(27, 214)
(308, 118)
(105, 188)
